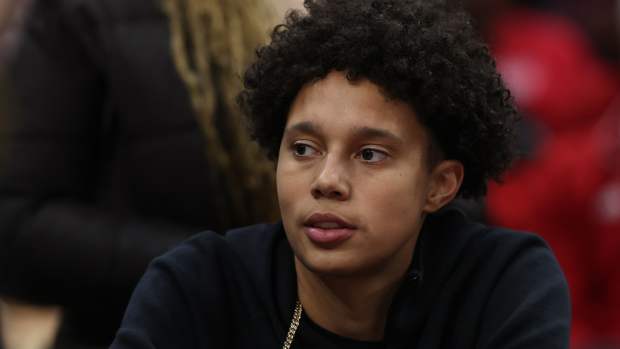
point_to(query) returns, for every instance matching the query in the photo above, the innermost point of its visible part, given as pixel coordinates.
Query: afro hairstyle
(422, 52)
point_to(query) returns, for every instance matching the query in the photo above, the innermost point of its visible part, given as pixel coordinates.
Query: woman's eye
(303, 150)
(372, 155)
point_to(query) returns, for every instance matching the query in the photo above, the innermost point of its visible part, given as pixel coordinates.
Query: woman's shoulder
(239, 248)
(455, 247)
(454, 234)
(503, 280)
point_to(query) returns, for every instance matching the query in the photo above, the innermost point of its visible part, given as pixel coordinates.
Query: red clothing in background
(569, 190)
(551, 69)
(570, 195)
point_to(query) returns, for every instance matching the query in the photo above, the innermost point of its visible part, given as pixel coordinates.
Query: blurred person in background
(6, 14)
(567, 187)
(124, 140)
(11, 13)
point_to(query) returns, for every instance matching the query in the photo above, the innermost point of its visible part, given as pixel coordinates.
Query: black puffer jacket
(103, 162)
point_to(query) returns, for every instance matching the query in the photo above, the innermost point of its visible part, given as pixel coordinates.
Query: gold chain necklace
(293, 327)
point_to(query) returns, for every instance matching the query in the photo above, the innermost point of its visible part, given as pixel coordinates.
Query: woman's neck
(353, 307)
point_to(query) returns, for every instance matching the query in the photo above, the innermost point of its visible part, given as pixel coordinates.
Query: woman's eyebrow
(304, 127)
(377, 133)
(311, 128)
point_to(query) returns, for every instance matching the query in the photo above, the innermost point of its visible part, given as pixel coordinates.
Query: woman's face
(352, 178)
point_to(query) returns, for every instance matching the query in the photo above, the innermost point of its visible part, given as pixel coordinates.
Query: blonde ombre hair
(212, 43)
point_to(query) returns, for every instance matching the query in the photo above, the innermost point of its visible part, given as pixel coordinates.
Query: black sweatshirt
(468, 286)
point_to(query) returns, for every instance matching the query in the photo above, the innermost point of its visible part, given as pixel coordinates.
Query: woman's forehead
(336, 104)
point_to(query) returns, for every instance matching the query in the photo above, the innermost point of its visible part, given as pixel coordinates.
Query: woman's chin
(329, 263)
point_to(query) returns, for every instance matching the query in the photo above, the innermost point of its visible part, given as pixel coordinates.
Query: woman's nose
(331, 182)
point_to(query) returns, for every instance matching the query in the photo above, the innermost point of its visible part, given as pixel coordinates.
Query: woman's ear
(445, 182)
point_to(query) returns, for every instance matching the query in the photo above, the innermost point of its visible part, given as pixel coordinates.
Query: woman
(125, 140)
(378, 114)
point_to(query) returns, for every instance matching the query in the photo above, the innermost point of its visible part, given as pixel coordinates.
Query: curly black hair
(423, 52)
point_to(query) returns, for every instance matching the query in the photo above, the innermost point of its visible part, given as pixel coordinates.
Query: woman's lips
(327, 228)
(328, 236)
